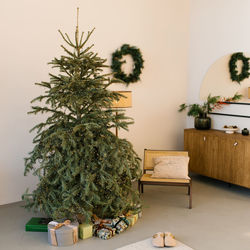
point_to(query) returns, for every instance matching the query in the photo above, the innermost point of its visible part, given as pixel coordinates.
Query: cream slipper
(158, 239)
(169, 240)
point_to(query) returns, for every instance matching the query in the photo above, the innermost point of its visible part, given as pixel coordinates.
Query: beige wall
(29, 39)
(217, 29)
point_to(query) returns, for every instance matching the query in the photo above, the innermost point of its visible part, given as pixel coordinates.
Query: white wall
(29, 39)
(217, 28)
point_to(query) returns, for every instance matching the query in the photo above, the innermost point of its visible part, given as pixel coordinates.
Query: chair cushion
(175, 167)
(148, 178)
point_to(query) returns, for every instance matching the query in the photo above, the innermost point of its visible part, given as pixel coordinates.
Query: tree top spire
(77, 17)
(77, 31)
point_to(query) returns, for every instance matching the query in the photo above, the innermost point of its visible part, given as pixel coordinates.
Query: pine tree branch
(67, 41)
(39, 98)
(58, 78)
(68, 52)
(59, 64)
(65, 70)
(77, 42)
(87, 38)
(70, 41)
(81, 38)
(44, 84)
(37, 109)
(86, 50)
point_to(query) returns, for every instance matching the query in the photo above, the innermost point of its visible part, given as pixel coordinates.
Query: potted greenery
(200, 111)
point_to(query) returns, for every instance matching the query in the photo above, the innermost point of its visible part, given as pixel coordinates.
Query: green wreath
(117, 63)
(233, 67)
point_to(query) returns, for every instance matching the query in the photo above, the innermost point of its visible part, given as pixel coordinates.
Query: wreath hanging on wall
(233, 67)
(135, 53)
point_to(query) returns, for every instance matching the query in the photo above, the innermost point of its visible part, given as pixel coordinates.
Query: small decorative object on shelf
(37, 224)
(85, 230)
(200, 111)
(245, 131)
(63, 234)
(230, 129)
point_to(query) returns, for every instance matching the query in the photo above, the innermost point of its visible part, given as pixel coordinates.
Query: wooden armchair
(148, 165)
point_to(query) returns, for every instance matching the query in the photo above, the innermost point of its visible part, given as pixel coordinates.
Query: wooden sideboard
(218, 155)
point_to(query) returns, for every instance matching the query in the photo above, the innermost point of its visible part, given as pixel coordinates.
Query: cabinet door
(241, 163)
(190, 146)
(239, 172)
(245, 171)
(202, 148)
(230, 161)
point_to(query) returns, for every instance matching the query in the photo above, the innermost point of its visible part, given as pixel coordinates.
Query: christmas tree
(83, 168)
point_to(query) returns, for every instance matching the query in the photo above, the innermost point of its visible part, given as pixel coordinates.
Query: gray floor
(219, 220)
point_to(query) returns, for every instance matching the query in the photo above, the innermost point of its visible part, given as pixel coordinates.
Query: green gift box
(85, 230)
(37, 224)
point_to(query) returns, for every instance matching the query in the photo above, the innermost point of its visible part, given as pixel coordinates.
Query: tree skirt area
(147, 245)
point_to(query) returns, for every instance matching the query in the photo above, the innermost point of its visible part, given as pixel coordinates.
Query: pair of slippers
(161, 239)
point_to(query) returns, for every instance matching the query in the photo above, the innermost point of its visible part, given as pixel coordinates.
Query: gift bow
(59, 225)
(98, 220)
(65, 223)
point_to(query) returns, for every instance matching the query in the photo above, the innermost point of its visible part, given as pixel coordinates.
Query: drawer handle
(204, 138)
(236, 143)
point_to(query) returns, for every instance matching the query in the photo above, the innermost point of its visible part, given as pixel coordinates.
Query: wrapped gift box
(132, 218)
(104, 232)
(85, 230)
(62, 234)
(37, 224)
(120, 224)
(107, 228)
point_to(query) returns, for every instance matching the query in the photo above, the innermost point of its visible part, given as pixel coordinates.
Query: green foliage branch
(212, 102)
(83, 168)
(117, 63)
(234, 74)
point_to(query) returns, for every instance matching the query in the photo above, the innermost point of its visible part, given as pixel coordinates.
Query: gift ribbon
(65, 223)
(59, 225)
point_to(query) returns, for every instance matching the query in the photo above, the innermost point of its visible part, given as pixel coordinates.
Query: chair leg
(141, 188)
(190, 195)
(188, 189)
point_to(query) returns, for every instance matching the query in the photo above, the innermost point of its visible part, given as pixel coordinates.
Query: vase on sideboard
(202, 122)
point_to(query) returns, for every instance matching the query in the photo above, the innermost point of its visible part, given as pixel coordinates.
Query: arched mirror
(217, 81)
